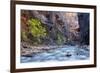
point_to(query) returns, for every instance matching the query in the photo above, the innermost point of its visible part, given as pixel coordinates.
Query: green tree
(60, 39)
(36, 29)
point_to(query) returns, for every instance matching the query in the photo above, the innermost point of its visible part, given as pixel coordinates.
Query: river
(59, 54)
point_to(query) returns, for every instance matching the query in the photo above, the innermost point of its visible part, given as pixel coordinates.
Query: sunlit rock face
(73, 26)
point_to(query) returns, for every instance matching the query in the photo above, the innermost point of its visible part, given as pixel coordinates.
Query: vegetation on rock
(54, 28)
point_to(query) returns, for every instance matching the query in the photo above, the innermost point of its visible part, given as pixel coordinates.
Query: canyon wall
(66, 28)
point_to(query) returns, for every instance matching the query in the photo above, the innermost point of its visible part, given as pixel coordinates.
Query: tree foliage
(60, 39)
(36, 31)
(36, 28)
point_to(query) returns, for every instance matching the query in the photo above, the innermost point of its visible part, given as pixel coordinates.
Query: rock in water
(68, 54)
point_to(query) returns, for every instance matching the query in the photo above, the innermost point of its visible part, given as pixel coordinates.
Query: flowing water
(59, 54)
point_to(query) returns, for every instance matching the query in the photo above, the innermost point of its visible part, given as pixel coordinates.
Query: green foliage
(23, 36)
(36, 28)
(37, 31)
(60, 39)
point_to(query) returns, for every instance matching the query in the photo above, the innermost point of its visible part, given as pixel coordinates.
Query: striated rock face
(62, 27)
(73, 26)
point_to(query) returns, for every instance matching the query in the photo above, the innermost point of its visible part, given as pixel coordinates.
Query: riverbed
(60, 54)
